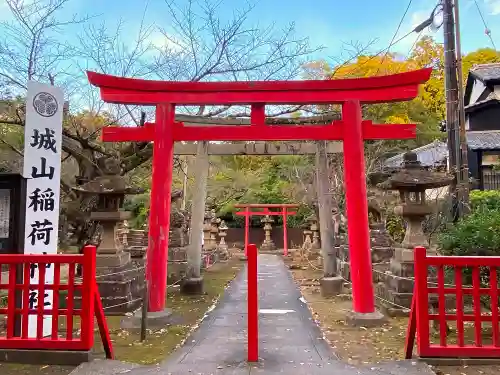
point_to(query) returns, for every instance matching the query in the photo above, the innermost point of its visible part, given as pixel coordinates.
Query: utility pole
(464, 188)
(452, 103)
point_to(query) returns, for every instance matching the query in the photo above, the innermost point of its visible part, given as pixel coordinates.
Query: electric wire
(487, 30)
(394, 35)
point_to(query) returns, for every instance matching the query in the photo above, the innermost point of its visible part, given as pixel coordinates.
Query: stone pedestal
(117, 278)
(382, 250)
(397, 286)
(381, 253)
(367, 320)
(137, 242)
(119, 283)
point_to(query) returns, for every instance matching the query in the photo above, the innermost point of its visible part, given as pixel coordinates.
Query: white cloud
(160, 40)
(493, 7)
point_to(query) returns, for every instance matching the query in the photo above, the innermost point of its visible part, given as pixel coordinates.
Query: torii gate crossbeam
(352, 130)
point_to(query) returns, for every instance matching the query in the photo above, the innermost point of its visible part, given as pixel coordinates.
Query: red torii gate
(284, 213)
(351, 129)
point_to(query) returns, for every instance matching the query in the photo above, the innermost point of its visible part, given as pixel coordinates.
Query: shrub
(395, 227)
(488, 199)
(476, 234)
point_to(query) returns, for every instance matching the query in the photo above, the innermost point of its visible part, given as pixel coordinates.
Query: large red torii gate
(351, 129)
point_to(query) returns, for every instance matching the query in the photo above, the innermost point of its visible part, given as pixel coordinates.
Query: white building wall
(477, 90)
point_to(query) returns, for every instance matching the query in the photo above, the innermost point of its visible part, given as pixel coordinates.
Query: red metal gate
(73, 303)
(476, 332)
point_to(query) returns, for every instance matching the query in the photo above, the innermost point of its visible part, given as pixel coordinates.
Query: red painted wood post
(285, 236)
(357, 209)
(88, 298)
(422, 300)
(253, 305)
(247, 229)
(159, 216)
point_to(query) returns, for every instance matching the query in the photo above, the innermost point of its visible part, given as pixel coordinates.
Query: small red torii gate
(351, 129)
(283, 212)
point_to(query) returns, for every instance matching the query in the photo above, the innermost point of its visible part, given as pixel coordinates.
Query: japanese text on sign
(42, 168)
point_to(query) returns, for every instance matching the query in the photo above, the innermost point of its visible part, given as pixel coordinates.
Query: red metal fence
(467, 317)
(73, 309)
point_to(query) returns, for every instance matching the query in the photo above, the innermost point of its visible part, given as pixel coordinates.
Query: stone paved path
(289, 340)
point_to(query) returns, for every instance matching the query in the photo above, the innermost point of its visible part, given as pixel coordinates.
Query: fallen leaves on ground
(361, 345)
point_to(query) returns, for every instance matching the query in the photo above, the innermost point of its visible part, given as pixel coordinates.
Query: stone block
(401, 299)
(177, 254)
(381, 254)
(154, 320)
(192, 286)
(343, 269)
(46, 357)
(402, 269)
(379, 272)
(331, 286)
(403, 255)
(399, 285)
(137, 251)
(120, 287)
(176, 271)
(112, 259)
(367, 320)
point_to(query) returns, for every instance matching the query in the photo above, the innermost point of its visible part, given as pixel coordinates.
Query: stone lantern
(411, 181)
(223, 248)
(268, 244)
(118, 282)
(307, 237)
(313, 226)
(207, 229)
(214, 229)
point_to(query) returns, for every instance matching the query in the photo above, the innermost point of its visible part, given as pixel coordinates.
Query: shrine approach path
(290, 342)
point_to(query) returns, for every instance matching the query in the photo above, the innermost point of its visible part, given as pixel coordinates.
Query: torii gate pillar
(159, 213)
(357, 209)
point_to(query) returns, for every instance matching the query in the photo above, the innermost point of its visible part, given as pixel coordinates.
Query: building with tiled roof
(482, 124)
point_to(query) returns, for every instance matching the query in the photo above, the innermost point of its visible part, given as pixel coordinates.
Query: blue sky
(325, 22)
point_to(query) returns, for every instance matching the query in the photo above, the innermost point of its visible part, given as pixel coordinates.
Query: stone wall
(382, 251)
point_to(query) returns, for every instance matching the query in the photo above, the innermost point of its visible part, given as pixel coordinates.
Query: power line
(487, 30)
(383, 50)
(418, 29)
(395, 34)
(413, 45)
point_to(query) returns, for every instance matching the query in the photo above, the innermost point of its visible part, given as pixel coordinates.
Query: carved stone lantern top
(207, 217)
(110, 190)
(223, 226)
(415, 178)
(267, 220)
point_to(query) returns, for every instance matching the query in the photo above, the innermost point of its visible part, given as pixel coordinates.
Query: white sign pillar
(42, 168)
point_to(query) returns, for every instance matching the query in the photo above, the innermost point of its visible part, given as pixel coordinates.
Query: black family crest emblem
(45, 104)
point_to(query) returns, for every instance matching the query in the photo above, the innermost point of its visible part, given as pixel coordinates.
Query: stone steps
(104, 367)
(405, 367)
